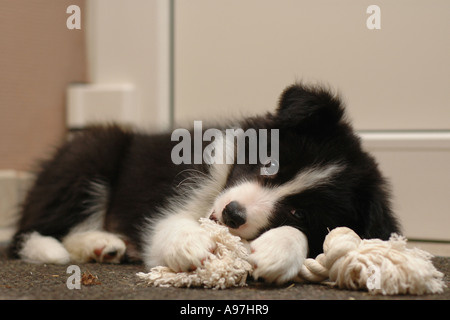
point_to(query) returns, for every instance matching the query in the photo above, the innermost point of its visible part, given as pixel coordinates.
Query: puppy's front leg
(177, 241)
(278, 254)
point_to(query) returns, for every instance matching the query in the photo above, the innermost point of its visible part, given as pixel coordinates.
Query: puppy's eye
(270, 168)
(297, 213)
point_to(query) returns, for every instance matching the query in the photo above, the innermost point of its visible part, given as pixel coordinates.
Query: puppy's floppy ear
(310, 108)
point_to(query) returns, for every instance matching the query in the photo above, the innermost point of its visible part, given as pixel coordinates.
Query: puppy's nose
(233, 215)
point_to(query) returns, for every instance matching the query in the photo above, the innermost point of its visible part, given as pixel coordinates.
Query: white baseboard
(13, 187)
(406, 140)
(418, 167)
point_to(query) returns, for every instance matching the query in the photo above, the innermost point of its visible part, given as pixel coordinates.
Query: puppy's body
(112, 194)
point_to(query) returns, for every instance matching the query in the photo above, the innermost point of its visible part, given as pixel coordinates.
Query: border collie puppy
(111, 194)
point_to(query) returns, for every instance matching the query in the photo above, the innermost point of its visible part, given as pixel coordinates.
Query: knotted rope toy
(381, 267)
(226, 267)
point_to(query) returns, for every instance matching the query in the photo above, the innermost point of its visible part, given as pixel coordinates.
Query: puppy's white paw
(97, 246)
(278, 254)
(177, 241)
(188, 249)
(37, 248)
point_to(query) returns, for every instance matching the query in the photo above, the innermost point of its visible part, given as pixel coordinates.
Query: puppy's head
(321, 180)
